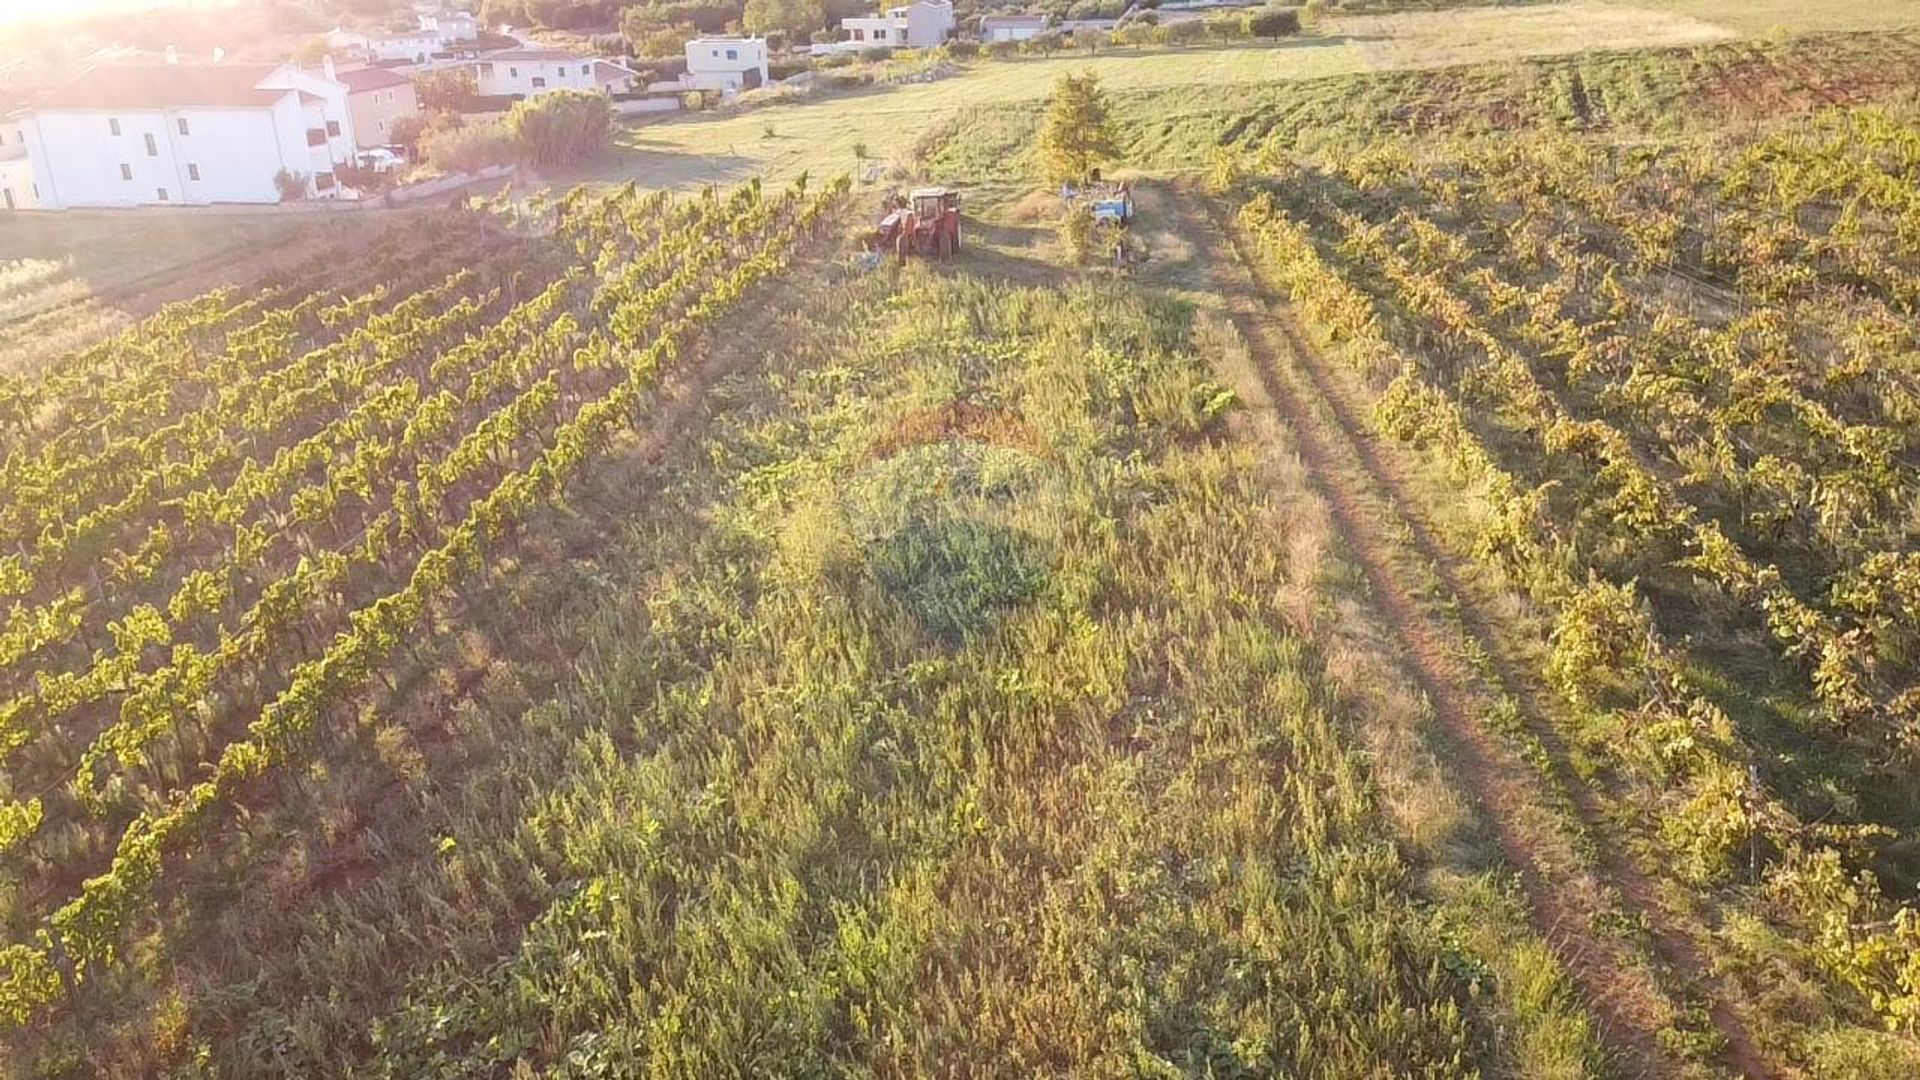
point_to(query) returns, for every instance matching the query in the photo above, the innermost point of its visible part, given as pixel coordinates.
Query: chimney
(326, 67)
(173, 55)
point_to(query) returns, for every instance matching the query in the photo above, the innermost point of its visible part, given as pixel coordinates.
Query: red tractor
(924, 223)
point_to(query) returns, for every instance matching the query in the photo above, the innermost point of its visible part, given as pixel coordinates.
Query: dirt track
(1375, 516)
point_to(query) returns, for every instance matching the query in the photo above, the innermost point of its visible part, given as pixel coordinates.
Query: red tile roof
(360, 80)
(126, 86)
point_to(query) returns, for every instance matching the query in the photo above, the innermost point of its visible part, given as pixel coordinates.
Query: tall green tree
(1078, 132)
(562, 127)
(798, 19)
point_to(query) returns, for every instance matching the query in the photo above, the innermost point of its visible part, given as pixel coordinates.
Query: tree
(795, 18)
(1185, 32)
(562, 127)
(660, 44)
(1090, 40)
(446, 89)
(469, 148)
(1078, 132)
(1046, 42)
(1271, 22)
(312, 51)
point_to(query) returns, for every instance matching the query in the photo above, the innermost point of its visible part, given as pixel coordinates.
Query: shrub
(1271, 23)
(1003, 50)
(364, 178)
(291, 185)
(469, 148)
(1187, 32)
(963, 50)
(1046, 42)
(877, 54)
(563, 127)
(1225, 27)
(446, 90)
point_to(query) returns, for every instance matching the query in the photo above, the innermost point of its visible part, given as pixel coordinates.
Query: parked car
(381, 159)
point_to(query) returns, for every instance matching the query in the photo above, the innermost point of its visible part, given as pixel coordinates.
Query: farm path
(1569, 892)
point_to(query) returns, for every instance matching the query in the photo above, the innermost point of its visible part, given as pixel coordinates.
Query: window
(193, 171)
(153, 148)
(584, 68)
(383, 127)
(486, 71)
(323, 181)
(333, 129)
(316, 136)
(538, 81)
(126, 171)
(113, 125)
(733, 54)
(513, 73)
(162, 192)
(183, 126)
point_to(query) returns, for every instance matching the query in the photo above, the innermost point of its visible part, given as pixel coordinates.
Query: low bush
(469, 147)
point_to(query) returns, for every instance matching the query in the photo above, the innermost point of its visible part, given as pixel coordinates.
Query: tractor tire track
(1370, 508)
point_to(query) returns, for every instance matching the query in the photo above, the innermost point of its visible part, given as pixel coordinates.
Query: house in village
(194, 134)
(529, 72)
(450, 26)
(919, 25)
(377, 98)
(727, 63)
(1012, 27)
(406, 47)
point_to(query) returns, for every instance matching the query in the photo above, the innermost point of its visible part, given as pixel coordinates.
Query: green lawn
(821, 134)
(1760, 17)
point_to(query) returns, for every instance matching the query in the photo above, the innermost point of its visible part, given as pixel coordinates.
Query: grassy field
(1438, 599)
(107, 269)
(889, 121)
(1757, 18)
(1472, 68)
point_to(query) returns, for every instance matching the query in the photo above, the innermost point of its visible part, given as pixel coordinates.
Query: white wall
(495, 77)
(224, 154)
(17, 184)
(412, 48)
(710, 68)
(1013, 33)
(919, 26)
(78, 160)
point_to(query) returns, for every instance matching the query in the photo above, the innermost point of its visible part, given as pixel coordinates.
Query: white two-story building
(727, 63)
(407, 47)
(919, 25)
(531, 72)
(450, 26)
(194, 134)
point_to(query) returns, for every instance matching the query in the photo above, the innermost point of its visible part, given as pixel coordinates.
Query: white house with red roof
(377, 98)
(194, 134)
